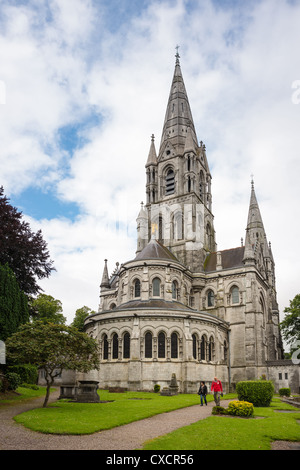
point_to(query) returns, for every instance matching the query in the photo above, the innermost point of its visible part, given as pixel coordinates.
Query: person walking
(203, 392)
(217, 389)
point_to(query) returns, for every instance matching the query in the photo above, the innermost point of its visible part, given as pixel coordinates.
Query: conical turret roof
(155, 250)
(105, 277)
(152, 157)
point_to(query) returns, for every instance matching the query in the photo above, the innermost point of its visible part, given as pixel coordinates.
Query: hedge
(285, 392)
(257, 392)
(27, 372)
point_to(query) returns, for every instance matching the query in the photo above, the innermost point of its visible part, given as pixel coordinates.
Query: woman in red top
(217, 388)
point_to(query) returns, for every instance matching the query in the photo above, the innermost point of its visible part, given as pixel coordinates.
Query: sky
(85, 83)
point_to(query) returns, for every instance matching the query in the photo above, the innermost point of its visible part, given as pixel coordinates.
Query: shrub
(31, 386)
(285, 392)
(257, 392)
(13, 379)
(240, 408)
(4, 385)
(156, 388)
(27, 372)
(219, 410)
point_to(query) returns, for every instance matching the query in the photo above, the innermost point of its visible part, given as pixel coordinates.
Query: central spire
(178, 118)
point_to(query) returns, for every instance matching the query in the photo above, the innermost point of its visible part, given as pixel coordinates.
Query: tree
(25, 251)
(53, 348)
(13, 303)
(47, 309)
(290, 326)
(80, 316)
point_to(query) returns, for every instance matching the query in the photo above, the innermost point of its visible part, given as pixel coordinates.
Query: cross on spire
(177, 54)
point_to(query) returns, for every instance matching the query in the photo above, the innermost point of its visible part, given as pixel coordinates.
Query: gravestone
(172, 389)
(68, 388)
(87, 392)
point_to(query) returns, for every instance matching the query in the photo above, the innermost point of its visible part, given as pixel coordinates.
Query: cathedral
(180, 306)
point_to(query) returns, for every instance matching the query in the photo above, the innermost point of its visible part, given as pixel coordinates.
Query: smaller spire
(142, 213)
(152, 157)
(105, 278)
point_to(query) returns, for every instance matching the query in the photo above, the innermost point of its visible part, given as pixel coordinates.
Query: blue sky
(87, 84)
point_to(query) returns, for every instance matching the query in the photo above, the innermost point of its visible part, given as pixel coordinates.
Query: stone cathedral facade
(180, 306)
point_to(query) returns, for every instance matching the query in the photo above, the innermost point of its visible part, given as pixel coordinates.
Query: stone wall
(284, 374)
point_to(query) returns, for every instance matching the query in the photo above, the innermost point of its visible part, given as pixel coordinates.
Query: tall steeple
(178, 118)
(178, 185)
(256, 245)
(254, 217)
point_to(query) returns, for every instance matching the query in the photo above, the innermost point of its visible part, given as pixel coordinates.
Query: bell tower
(178, 184)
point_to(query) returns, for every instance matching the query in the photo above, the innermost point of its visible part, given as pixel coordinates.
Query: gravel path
(131, 436)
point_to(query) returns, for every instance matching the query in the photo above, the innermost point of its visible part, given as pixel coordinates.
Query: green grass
(212, 433)
(231, 433)
(65, 417)
(23, 393)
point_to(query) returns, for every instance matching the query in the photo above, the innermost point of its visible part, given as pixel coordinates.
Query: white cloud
(62, 63)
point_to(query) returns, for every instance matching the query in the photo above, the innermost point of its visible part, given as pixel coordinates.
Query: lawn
(65, 417)
(232, 433)
(22, 393)
(212, 433)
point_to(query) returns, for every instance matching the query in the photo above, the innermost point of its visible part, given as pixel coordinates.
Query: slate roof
(155, 250)
(232, 258)
(154, 303)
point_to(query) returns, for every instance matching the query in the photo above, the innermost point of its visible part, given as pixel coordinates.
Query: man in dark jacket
(203, 392)
(217, 388)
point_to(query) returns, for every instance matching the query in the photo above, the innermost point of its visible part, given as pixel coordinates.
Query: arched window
(263, 311)
(195, 344)
(211, 349)
(174, 346)
(115, 349)
(156, 287)
(178, 228)
(137, 288)
(112, 306)
(174, 290)
(201, 187)
(208, 236)
(105, 347)
(235, 295)
(188, 163)
(170, 182)
(160, 228)
(126, 346)
(161, 345)
(203, 347)
(148, 344)
(210, 298)
(189, 184)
